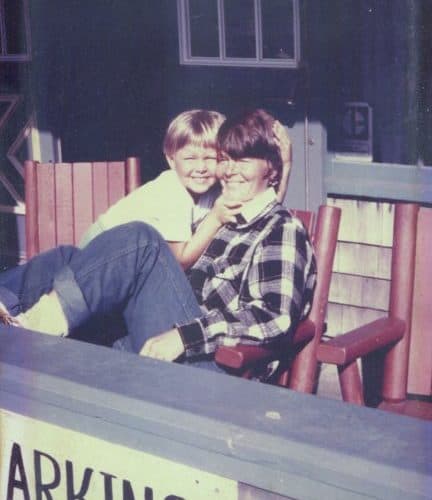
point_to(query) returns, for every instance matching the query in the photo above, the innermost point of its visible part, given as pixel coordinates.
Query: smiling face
(245, 178)
(196, 168)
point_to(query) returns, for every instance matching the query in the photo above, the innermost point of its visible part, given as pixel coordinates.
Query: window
(14, 31)
(259, 33)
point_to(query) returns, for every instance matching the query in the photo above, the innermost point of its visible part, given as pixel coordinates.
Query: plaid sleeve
(274, 294)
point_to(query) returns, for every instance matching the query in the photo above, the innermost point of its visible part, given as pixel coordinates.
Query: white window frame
(4, 54)
(258, 62)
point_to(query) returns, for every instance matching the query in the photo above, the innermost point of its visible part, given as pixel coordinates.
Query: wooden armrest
(242, 356)
(356, 343)
(304, 332)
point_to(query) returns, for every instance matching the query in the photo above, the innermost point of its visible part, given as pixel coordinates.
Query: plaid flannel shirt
(254, 282)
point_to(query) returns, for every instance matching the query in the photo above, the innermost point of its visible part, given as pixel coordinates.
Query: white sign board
(41, 460)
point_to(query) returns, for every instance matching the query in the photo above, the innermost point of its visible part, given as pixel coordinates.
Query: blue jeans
(129, 269)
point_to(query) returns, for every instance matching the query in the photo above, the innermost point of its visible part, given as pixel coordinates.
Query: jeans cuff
(10, 301)
(71, 298)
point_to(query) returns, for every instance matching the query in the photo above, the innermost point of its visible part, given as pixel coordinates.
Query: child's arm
(223, 211)
(283, 140)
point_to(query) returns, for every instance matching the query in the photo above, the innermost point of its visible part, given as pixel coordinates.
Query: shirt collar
(255, 206)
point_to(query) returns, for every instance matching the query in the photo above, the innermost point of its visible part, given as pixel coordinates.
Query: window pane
(240, 28)
(278, 29)
(204, 28)
(15, 27)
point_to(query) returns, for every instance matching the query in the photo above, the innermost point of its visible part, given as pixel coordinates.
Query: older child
(187, 193)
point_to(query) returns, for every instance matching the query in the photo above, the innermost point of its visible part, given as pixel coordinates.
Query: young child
(187, 193)
(180, 196)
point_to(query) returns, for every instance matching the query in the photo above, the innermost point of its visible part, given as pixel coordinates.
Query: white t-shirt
(164, 203)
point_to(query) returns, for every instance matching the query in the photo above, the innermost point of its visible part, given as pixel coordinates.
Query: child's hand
(225, 210)
(283, 140)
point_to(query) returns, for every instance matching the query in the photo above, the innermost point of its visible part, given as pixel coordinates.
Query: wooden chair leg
(351, 384)
(284, 378)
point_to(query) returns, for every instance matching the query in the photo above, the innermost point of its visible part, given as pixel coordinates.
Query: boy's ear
(170, 161)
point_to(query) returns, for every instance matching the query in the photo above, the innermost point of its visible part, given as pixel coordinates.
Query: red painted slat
(91, 193)
(46, 202)
(64, 204)
(116, 181)
(308, 219)
(31, 217)
(82, 198)
(100, 188)
(420, 360)
(133, 174)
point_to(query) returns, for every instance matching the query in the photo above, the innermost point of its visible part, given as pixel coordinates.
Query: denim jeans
(22, 286)
(129, 269)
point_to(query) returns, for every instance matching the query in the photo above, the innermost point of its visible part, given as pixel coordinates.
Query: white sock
(45, 316)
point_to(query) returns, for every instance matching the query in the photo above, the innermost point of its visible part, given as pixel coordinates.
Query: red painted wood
(64, 204)
(31, 227)
(304, 367)
(409, 408)
(360, 341)
(240, 356)
(62, 200)
(116, 181)
(133, 174)
(82, 198)
(100, 188)
(408, 257)
(308, 218)
(401, 290)
(351, 383)
(46, 207)
(420, 358)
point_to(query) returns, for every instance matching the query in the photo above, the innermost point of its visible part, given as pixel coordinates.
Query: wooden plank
(365, 221)
(387, 227)
(363, 260)
(308, 218)
(31, 215)
(271, 438)
(360, 285)
(64, 204)
(420, 359)
(342, 318)
(82, 198)
(378, 180)
(116, 181)
(360, 291)
(100, 188)
(46, 206)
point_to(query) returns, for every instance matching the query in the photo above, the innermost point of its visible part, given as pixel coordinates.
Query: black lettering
(108, 485)
(148, 493)
(128, 493)
(173, 497)
(42, 489)
(71, 495)
(16, 462)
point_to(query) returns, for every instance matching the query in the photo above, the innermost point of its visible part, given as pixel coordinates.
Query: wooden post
(401, 293)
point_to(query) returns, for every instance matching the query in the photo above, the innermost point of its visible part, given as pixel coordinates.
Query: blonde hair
(198, 127)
